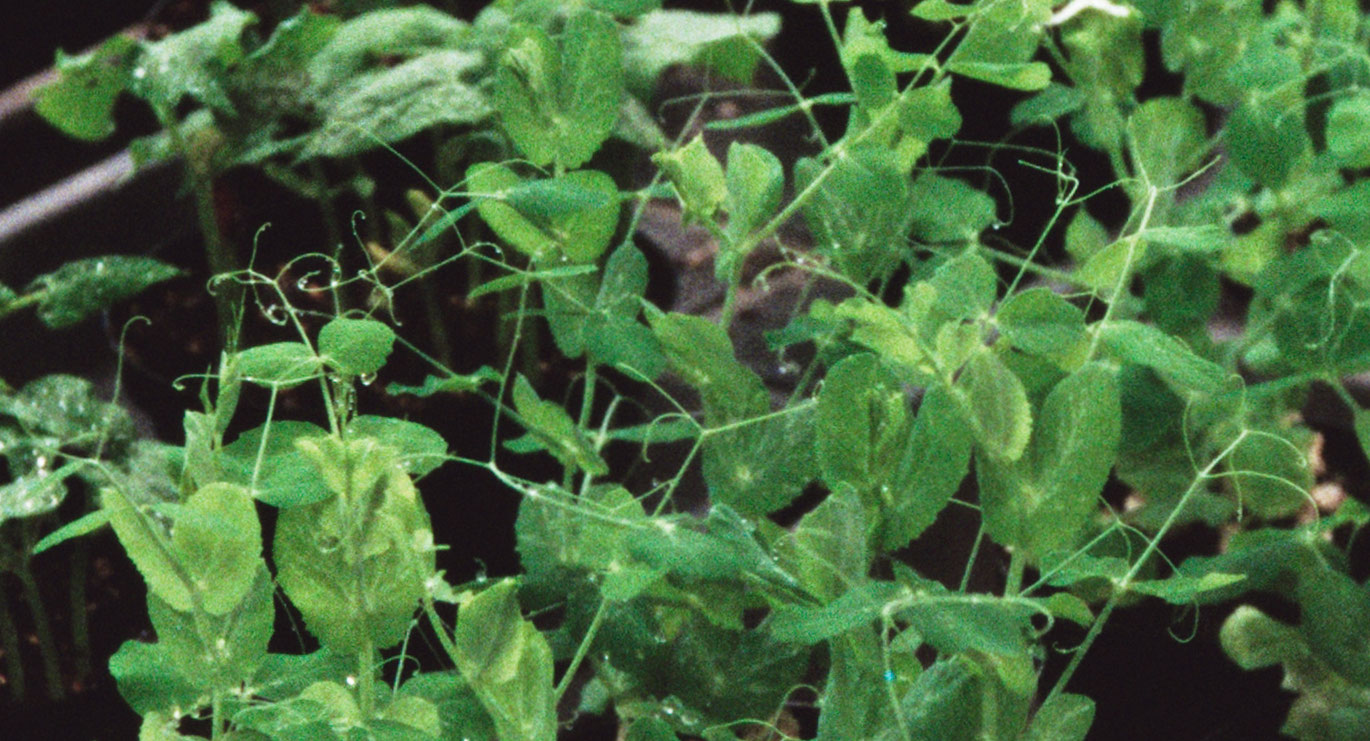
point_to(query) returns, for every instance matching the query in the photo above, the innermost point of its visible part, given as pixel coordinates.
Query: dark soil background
(1148, 682)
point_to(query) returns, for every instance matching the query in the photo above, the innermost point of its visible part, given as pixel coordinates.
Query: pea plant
(1084, 397)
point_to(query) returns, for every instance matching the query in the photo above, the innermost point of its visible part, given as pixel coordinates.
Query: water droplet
(351, 681)
(367, 379)
(139, 73)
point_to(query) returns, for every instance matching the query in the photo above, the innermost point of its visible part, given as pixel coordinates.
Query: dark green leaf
(192, 63)
(934, 462)
(81, 288)
(859, 606)
(1063, 717)
(1145, 345)
(663, 38)
(81, 101)
(148, 679)
(1040, 322)
(1267, 141)
(390, 105)
(555, 431)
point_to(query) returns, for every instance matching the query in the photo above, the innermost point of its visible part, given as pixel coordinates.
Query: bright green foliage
(937, 371)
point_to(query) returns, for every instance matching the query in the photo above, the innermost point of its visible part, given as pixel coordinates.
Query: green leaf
(459, 710)
(1266, 141)
(218, 544)
(559, 100)
(1183, 590)
(578, 229)
(148, 546)
(725, 549)
(966, 286)
(555, 431)
(453, 384)
(369, 548)
(698, 178)
(1063, 717)
(953, 622)
(421, 448)
(927, 112)
(856, 607)
(996, 404)
(934, 462)
(280, 364)
(1025, 76)
(948, 210)
(940, 10)
(81, 288)
(218, 652)
(860, 212)
(853, 407)
(829, 551)
(87, 523)
(527, 277)
(663, 38)
(371, 39)
(1043, 503)
(148, 679)
(81, 100)
(390, 105)
(192, 63)
(356, 347)
(276, 473)
(1347, 121)
(30, 495)
(1170, 139)
(1106, 269)
(1053, 102)
(702, 354)
(1145, 345)
(1039, 321)
(758, 485)
(508, 663)
(854, 703)
(755, 183)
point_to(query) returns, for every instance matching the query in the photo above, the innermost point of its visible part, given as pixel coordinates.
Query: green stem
(22, 302)
(80, 619)
(581, 651)
(1017, 564)
(1122, 585)
(366, 678)
(14, 663)
(48, 648)
(218, 252)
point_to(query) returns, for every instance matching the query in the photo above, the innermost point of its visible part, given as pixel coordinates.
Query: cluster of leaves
(945, 360)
